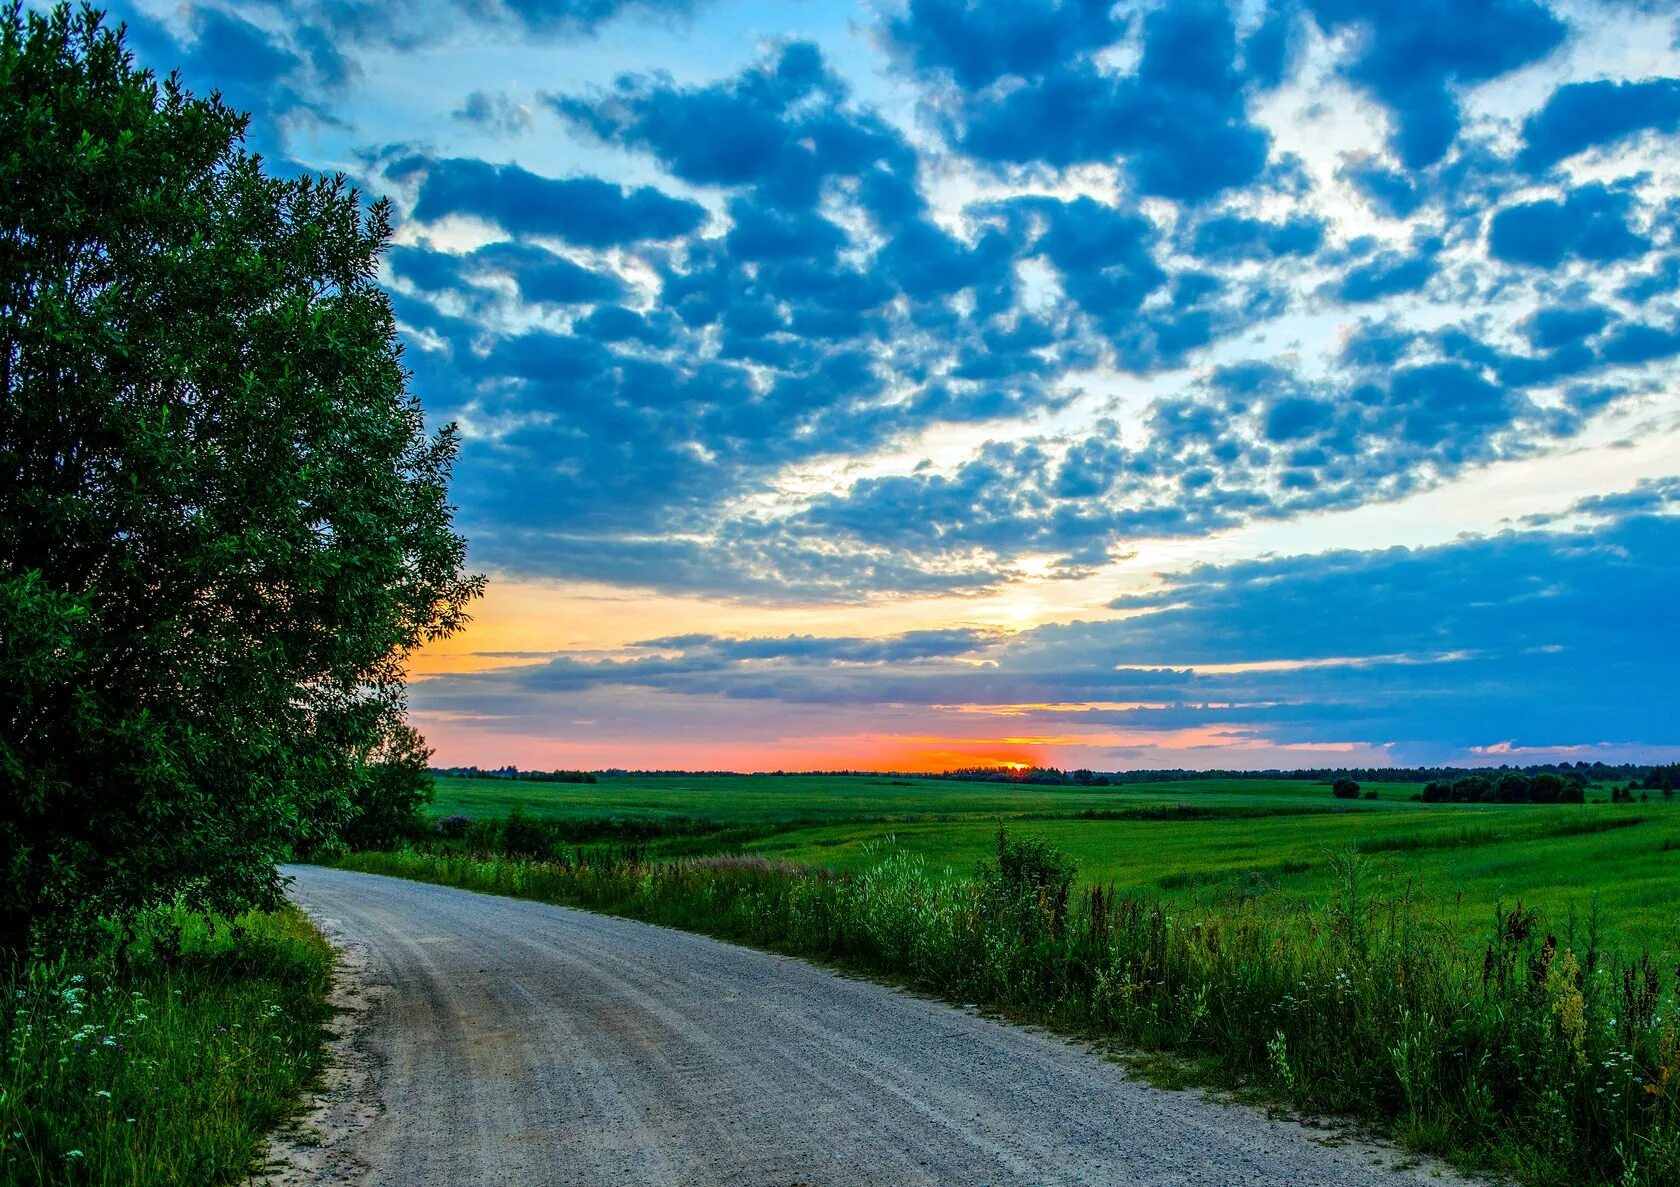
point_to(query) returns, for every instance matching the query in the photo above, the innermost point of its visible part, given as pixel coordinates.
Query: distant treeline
(517, 775)
(1581, 772)
(1662, 778)
(1048, 776)
(1512, 787)
(1654, 778)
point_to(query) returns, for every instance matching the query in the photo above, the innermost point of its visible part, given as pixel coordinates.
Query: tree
(1512, 788)
(226, 523)
(1345, 789)
(390, 790)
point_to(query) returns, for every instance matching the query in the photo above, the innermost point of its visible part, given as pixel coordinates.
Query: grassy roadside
(1535, 1054)
(166, 1057)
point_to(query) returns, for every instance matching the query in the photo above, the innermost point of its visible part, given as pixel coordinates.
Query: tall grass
(165, 1056)
(1534, 1053)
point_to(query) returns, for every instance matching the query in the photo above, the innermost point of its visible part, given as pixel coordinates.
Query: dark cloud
(541, 276)
(1557, 326)
(494, 113)
(283, 79)
(1413, 55)
(1229, 239)
(1389, 274)
(409, 24)
(583, 210)
(1590, 223)
(781, 127)
(1179, 121)
(978, 44)
(1392, 192)
(1585, 115)
(902, 648)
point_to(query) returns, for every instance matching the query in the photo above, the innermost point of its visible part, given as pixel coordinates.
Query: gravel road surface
(512, 1042)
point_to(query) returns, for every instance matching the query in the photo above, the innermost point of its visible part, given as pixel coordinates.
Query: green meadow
(1615, 867)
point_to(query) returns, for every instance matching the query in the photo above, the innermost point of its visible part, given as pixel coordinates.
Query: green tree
(226, 525)
(1512, 788)
(1345, 789)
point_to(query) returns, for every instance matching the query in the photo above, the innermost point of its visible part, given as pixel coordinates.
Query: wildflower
(1568, 1005)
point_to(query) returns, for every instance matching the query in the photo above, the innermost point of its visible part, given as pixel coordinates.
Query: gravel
(515, 1042)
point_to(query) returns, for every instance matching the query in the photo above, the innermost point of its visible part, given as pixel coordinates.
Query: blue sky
(908, 384)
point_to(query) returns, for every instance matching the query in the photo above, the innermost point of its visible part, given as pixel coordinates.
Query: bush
(1345, 789)
(524, 836)
(453, 827)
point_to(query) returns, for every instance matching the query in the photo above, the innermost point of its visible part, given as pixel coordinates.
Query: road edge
(313, 1147)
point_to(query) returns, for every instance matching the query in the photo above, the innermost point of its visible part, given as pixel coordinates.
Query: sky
(917, 383)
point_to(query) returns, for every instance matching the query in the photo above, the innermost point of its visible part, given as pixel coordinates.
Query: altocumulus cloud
(976, 292)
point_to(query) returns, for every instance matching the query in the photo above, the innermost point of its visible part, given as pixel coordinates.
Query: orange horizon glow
(466, 740)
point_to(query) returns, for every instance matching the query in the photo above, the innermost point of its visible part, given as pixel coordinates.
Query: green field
(757, 799)
(1202, 840)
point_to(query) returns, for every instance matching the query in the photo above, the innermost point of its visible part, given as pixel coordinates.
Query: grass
(758, 799)
(1196, 841)
(166, 1057)
(1533, 1052)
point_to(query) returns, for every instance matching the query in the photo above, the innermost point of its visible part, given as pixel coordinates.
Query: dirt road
(518, 1043)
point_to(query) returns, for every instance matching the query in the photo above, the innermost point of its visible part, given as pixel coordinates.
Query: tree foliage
(225, 522)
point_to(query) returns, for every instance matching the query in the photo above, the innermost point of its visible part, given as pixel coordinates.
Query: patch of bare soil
(316, 1146)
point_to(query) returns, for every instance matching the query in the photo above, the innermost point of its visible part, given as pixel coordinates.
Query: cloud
(283, 78)
(902, 648)
(1179, 120)
(1414, 56)
(495, 113)
(1389, 274)
(541, 276)
(411, 24)
(664, 393)
(582, 210)
(1428, 652)
(781, 127)
(1590, 223)
(1584, 115)
(1230, 239)
(979, 44)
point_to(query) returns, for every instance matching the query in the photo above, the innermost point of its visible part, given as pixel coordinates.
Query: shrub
(453, 827)
(1345, 789)
(521, 835)
(1029, 879)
